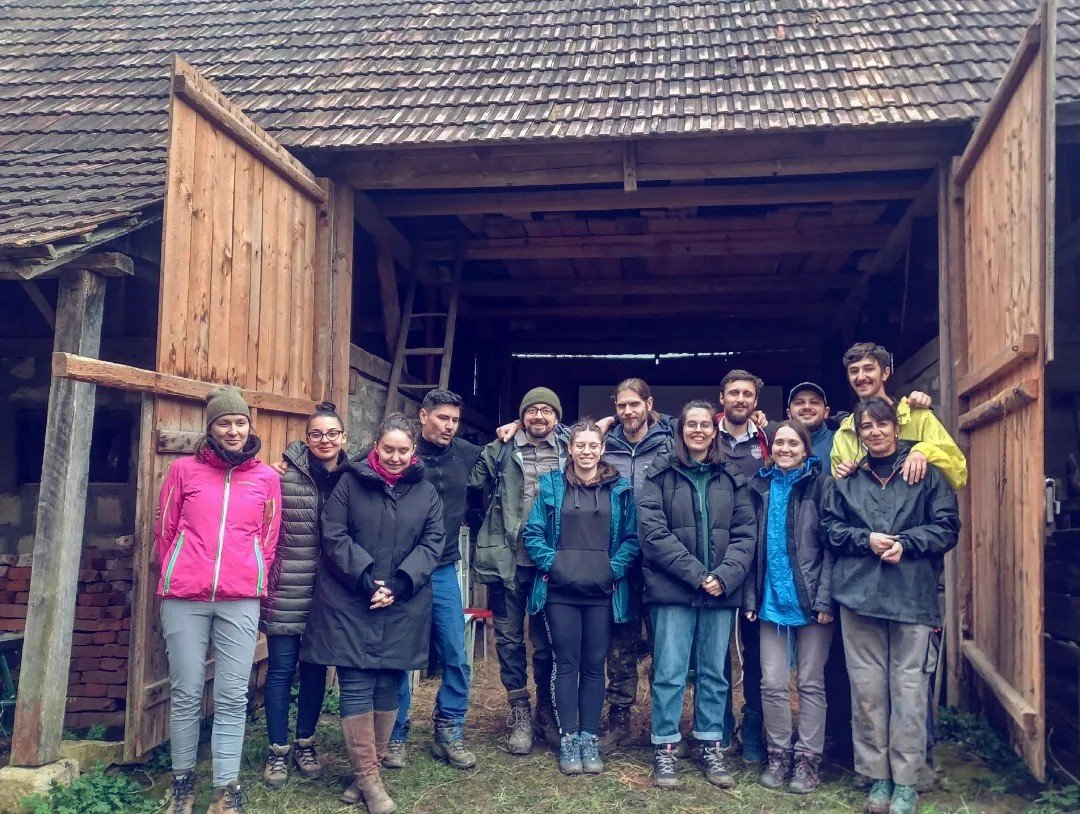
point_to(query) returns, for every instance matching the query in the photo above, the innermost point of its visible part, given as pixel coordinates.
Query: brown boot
(182, 799)
(227, 800)
(359, 731)
(384, 728)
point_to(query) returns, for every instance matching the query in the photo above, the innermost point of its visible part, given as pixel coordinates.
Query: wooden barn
(358, 201)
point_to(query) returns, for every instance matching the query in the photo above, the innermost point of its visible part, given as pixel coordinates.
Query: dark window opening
(110, 446)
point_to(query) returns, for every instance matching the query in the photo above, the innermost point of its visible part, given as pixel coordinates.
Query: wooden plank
(107, 264)
(388, 294)
(630, 172)
(451, 321)
(342, 265)
(176, 441)
(1003, 403)
(124, 377)
(710, 307)
(740, 284)
(189, 85)
(208, 143)
(222, 347)
(1023, 713)
(268, 282)
(58, 531)
(322, 359)
(256, 325)
(1000, 364)
(373, 221)
(757, 193)
(244, 240)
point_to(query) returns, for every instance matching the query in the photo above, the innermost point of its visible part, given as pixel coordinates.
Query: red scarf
(384, 473)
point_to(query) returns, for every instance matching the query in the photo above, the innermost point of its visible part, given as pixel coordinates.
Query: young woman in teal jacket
(582, 536)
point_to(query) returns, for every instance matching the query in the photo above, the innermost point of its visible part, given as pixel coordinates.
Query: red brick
(16, 585)
(19, 572)
(12, 611)
(92, 704)
(87, 691)
(88, 613)
(113, 664)
(118, 611)
(104, 637)
(12, 625)
(92, 600)
(123, 637)
(78, 639)
(116, 691)
(103, 677)
(22, 597)
(94, 588)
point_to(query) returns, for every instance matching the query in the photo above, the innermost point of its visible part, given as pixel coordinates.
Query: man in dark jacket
(448, 461)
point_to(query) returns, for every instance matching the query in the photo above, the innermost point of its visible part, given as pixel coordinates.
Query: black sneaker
(663, 771)
(714, 765)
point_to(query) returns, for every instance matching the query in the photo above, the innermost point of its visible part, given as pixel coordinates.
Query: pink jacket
(217, 528)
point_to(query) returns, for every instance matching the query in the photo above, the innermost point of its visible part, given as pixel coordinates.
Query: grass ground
(502, 784)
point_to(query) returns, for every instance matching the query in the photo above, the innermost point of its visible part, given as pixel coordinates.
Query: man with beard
(808, 405)
(509, 471)
(448, 462)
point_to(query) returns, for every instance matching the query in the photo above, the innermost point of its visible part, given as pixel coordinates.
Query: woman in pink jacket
(217, 527)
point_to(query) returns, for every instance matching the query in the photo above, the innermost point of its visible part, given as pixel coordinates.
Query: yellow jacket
(920, 426)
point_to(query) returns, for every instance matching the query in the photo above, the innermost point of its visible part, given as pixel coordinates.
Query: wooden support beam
(375, 222)
(658, 286)
(764, 192)
(323, 295)
(40, 302)
(1000, 405)
(1001, 363)
(388, 294)
(1024, 715)
(698, 244)
(107, 264)
(670, 307)
(629, 164)
(58, 530)
(123, 377)
(342, 288)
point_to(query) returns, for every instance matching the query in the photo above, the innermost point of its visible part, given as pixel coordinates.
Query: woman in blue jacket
(582, 535)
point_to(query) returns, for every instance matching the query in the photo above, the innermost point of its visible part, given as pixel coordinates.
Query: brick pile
(97, 681)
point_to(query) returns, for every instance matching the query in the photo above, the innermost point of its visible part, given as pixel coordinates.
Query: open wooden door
(245, 277)
(998, 291)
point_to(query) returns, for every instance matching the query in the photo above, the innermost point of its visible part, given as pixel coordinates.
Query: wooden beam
(1024, 715)
(698, 244)
(654, 343)
(1000, 405)
(657, 286)
(107, 264)
(342, 287)
(58, 530)
(123, 377)
(758, 193)
(193, 88)
(323, 294)
(629, 164)
(388, 294)
(1001, 363)
(40, 302)
(668, 307)
(375, 222)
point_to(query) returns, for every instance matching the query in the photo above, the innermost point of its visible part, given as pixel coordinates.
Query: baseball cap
(813, 388)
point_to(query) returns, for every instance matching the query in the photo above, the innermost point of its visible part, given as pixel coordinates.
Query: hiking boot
(227, 800)
(276, 771)
(395, 755)
(714, 765)
(753, 745)
(591, 762)
(905, 800)
(860, 782)
(351, 795)
(519, 722)
(777, 768)
(927, 779)
(182, 798)
(306, 759)
(570, 754)
(664, 774)
(805, 779)
(618, 726)
(546, 727)
(881, 792)
(449, 745)
(374, 795)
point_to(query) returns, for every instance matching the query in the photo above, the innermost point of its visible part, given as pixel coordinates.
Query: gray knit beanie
(225, 400)
(541, 395)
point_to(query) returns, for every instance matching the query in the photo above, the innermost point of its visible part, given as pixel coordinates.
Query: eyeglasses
(581, 446)
(697, 425)
(546, 412)
(330, 435)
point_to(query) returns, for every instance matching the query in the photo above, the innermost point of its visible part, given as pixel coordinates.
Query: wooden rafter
(658, 286)
(719, 307)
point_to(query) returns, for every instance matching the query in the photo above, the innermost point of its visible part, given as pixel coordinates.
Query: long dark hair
(604, 470)
(715, 455)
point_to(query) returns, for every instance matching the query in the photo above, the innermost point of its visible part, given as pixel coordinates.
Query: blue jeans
(448, 634)
(282, 655)
(682, 630)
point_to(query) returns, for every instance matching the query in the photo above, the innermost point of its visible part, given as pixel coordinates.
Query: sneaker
(276, 771)
(753, 745)
(519, 723)
(570, 754)
(714, 765)
(306, 759)
(663, 772)
(905, 800)
(182, 798)
(805, 779)
(449, 745)
(546, 727)
(395, 755)
(777, 768)
(881, 792)
(591, 762)
(618, 727)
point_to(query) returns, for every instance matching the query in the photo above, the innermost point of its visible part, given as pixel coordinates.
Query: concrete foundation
(17, 782)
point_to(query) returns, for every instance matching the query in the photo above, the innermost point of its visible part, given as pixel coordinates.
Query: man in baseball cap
(808, 405)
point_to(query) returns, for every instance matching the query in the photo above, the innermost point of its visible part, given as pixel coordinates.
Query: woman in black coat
(309, 473)
(382, 536)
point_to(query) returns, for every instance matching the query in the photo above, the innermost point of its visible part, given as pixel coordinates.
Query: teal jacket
(542, 531)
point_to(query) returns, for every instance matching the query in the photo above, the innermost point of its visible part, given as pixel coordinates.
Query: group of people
(596, 538)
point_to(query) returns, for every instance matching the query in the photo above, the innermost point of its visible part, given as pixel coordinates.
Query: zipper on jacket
(261, 566)
(221, 535)
(165, 509)
(172, 563)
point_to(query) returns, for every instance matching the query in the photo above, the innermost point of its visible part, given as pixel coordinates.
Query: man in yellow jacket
(868, 367)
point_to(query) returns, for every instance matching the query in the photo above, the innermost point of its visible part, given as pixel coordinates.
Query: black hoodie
(581, 572)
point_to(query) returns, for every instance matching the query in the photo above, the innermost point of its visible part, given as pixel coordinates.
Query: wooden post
(342, 268)
(58, 535)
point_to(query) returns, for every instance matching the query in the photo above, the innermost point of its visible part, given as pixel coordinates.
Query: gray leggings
(189, 628)
(811, 642)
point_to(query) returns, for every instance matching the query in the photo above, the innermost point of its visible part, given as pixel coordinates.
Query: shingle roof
(84, 83)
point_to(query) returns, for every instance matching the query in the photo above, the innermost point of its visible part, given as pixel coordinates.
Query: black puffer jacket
(926, 519)
(808, 548)
(372, 532)
(292, 576)
(670, 522)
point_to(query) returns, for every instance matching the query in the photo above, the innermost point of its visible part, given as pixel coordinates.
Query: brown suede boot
(359, 731)
(384, 728)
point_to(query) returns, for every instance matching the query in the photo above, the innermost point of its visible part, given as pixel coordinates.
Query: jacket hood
(670, 460)
(362, 469)
(811, 467)
(657, 432)
(296, 453)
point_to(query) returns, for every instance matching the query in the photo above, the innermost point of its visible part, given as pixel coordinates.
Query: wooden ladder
(444, 353)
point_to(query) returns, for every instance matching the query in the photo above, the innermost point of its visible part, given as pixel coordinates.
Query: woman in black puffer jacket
(311, 471)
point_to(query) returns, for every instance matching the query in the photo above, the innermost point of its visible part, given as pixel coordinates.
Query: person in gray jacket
(311, 470)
